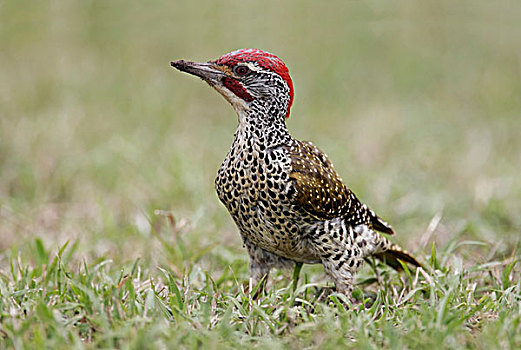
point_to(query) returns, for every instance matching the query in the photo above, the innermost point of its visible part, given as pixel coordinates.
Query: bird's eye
(241, 70)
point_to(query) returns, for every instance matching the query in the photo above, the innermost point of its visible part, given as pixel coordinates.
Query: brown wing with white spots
(321, 192)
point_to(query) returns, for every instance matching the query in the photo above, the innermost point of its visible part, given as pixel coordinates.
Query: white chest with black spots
(253, 183)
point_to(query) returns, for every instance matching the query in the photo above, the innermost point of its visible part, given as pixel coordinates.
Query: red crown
(263, 59)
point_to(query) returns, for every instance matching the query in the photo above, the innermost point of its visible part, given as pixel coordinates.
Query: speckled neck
(265, 124)
(265, 129)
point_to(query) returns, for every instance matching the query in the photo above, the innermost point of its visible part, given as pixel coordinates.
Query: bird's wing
(320, 191)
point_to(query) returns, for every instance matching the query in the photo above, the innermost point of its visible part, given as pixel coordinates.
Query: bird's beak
(214, 75)
(206, 71)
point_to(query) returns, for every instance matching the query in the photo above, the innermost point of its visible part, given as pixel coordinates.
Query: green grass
(111, 234)
(59, 303)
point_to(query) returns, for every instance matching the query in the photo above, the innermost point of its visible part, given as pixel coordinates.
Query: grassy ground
(111, 234)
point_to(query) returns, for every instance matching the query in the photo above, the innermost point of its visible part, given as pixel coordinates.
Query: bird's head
(250, 79)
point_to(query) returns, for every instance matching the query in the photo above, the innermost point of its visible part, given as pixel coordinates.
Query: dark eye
(241, 70)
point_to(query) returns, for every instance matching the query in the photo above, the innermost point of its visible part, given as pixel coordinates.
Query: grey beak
(204, 71)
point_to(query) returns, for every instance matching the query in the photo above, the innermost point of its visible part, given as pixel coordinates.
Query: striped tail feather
(391, 253)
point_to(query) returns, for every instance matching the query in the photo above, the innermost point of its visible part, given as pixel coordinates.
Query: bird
(289, 203)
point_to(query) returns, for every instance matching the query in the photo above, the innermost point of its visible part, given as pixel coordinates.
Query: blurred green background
(418, 104)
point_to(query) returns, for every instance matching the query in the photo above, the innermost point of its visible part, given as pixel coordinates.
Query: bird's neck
(264, 128)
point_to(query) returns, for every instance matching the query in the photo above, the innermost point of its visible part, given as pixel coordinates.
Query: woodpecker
(286, 198)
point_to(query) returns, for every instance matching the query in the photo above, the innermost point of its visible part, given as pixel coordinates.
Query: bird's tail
(391, 253)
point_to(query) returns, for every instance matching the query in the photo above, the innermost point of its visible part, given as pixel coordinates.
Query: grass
(57, 303)
(111, 235)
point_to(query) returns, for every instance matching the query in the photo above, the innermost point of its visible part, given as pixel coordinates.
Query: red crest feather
(263, 59)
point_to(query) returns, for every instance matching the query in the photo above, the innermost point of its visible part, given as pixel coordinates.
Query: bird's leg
(259, 277)
(259, 269)
(342, 271)
(340, 256)
(261, 262)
